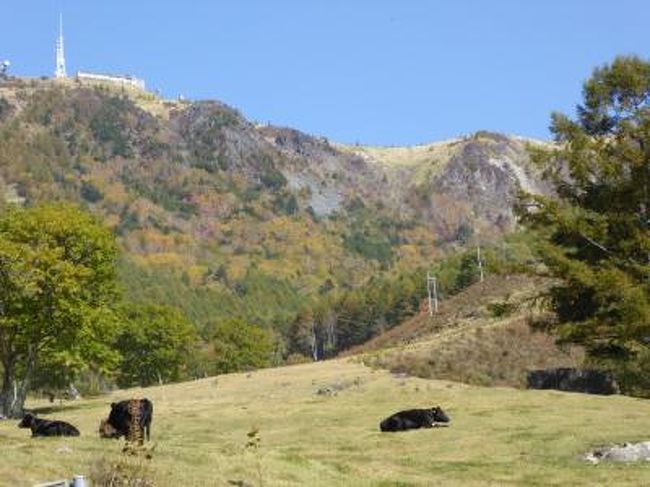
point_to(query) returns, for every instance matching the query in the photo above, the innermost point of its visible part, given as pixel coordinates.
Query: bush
(499, 309)
(297, 358)
(240, 346)
(125, 471)
(90, 192)
(632, 375)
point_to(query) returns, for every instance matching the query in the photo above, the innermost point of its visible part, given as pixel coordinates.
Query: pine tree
(594, 231)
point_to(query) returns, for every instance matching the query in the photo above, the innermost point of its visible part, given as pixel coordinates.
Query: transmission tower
(59, 72)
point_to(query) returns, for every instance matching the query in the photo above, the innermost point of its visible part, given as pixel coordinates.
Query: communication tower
(59, 72)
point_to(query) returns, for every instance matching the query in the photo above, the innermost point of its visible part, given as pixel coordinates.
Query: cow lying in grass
(44, 427)
(414, 419)
(120, 420)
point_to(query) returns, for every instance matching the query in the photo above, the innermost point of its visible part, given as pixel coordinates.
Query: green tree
(595, 234)
(155, 343)
(239, 346)
(468, 272)
(57, 289)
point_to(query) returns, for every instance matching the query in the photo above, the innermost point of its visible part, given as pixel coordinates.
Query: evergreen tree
(594, 233)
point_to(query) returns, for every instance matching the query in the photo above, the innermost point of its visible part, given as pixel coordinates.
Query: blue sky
(369, 71)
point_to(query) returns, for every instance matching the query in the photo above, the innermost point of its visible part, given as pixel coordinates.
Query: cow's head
(439, 415)
(27, 421)
(106, 430)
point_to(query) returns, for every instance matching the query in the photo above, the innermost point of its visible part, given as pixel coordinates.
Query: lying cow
(44, 427)
(414, 419)
(120, 420)
(573, 380)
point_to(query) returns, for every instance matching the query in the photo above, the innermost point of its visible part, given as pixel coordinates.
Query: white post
(432, 290)
(480, 262)
(429, 294)
(435, 294)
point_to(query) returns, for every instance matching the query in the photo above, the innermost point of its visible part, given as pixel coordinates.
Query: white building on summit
(120, 80)
(125, 80)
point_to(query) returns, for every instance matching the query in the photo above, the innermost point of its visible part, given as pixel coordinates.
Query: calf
(120, 420)
(414, 419)
(44, 427)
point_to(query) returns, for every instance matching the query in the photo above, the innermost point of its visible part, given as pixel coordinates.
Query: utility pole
(479, 262)
(432, 289)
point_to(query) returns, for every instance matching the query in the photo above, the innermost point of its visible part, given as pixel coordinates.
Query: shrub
(241, 346)
(90, 192)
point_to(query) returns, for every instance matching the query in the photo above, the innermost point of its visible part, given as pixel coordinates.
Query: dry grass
(414, 155)
(467, 309)
(481, 336)
(495, 355)
(201, 430)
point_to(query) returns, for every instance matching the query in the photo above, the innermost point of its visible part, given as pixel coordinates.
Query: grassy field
(498, 436)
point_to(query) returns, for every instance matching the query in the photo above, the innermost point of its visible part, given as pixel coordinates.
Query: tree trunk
(9, 393)
(314, 342)
(14, 392)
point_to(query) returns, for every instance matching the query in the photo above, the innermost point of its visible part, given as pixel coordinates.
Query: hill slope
(224, 218)
(466, 308)
(481, 335)
(497, 436)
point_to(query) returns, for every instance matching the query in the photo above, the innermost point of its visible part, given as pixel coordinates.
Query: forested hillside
(228, 220)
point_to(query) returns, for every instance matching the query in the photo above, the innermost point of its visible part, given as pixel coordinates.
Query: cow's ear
(113, 404)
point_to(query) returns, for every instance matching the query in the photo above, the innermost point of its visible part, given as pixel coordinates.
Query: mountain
(223, 217)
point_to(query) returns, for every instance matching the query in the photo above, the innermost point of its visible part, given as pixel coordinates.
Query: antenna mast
(60, 55)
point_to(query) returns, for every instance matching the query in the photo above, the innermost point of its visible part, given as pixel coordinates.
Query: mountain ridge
(208, 203)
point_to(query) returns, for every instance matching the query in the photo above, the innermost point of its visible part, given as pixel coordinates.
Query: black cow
(573, 380)
(119, 420)
(414, 419)
(44, 427)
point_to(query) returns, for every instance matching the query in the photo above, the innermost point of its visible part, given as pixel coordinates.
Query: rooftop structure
(120, 80)
(4, 66)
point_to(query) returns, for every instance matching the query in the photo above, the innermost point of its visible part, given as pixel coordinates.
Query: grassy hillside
(498, 436)
(481, 335)
(466, 308)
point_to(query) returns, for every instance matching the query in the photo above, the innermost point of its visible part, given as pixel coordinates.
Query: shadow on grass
(57, 408)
